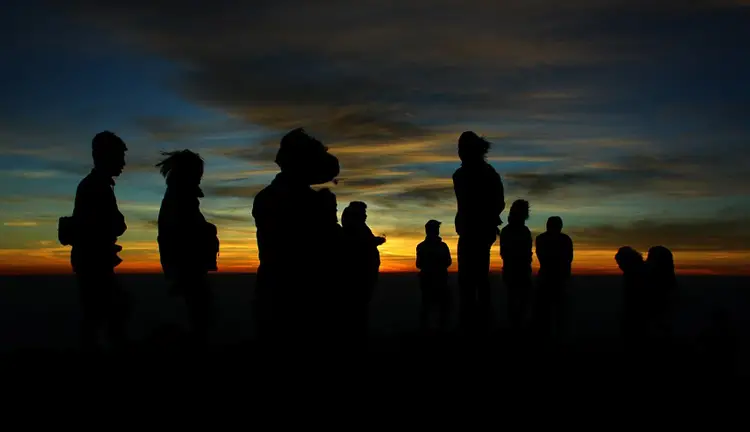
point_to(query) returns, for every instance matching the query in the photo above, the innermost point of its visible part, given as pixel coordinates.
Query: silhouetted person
(289, 274)
(97, 225)
(635, 300)
(433, 261)
(331, 292)
(661, 286)
(480, 200)
(554, 249)
(362, 262)
(515, 249)
(188, 244)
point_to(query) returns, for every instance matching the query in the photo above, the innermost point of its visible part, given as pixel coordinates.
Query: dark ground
(38, 324)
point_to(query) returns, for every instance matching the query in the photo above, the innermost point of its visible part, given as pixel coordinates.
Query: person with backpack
(92, 231)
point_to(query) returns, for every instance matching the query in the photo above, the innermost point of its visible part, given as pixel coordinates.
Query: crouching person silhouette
(433, 261)
(188, 245)
(93, 231)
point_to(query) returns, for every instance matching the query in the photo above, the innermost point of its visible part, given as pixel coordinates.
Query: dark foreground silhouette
(480, 200)
(287, 302)
(554, 250)
(515, 250)
(93, 230)
(317, 279)
(39, 329)
(188, 244)
(433, 261)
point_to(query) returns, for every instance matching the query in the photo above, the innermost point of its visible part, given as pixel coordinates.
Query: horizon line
(607, 272)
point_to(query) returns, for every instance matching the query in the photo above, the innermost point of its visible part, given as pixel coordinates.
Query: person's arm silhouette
(447, 260)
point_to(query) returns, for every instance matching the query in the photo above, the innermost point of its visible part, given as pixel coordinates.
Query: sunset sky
(628, 118)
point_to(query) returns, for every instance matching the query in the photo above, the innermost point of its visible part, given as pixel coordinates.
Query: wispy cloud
(20, 224)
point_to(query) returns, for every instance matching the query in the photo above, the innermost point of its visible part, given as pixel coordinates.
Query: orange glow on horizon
(56, 261)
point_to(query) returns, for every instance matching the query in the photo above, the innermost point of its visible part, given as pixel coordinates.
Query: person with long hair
(515, 250)
(480, 200)
(188, 244)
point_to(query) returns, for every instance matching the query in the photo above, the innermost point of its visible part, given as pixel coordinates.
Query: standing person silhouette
(288, 280)
(554, 249)
(661, 288)
(433, 261)
(515, 249)
(97, 225)
(188, 244)
(362, 263)
(331, 300)
(634, 302)
(480, 200)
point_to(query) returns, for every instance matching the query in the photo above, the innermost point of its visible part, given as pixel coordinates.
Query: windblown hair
(472, 146)
(295, 142)
(179, 165)
(627, 257)
(519, 211)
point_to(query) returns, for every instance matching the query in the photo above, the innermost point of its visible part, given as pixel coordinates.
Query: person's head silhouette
(472, 148)
(306, 159)
(181, 168)
(432, 228)
(519, 212)
(555, 224)
(108, 151)
(354, 214)
(628, 259)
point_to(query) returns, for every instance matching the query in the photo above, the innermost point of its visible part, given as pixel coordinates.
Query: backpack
(66, 230)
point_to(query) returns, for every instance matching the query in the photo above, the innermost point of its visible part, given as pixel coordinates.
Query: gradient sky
(630, 119)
